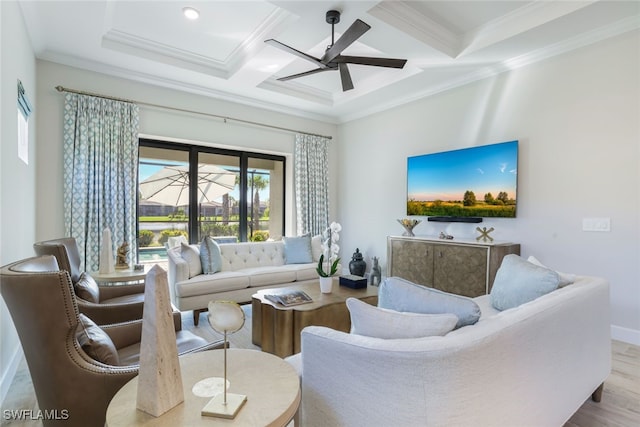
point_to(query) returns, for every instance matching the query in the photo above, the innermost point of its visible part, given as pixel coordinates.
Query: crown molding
(182, 86)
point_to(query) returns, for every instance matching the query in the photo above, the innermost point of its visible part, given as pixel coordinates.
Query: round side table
(271, 385)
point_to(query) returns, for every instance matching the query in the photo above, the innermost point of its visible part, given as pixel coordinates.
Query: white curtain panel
(100, 174)
(311, 183)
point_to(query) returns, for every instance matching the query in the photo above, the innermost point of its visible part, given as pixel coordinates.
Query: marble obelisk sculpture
(159, 378)
(106, 265)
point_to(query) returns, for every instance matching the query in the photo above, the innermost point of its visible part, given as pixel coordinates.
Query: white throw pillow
(565, 278)
(210, 256)
(191, 255)
(372, 321)
(518, 281)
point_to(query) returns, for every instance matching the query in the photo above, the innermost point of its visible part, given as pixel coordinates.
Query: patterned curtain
(100, 174)
(312, 193)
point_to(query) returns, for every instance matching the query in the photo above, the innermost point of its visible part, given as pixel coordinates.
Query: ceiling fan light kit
(332, 58)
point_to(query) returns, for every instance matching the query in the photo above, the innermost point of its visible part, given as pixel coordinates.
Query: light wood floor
(620, 405)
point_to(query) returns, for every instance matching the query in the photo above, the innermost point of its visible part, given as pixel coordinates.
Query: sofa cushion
(87, 289)
(379, 322)
(565, 278)
(210, 256)
(519, 281)
(304, 271)
(265, 276)
(191, 254)
(297, 250)
(402, 295)
(205, 284)
(185, 341)
(125, 299)
(95, 342)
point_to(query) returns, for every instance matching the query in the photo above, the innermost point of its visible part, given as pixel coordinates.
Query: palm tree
(258, 183)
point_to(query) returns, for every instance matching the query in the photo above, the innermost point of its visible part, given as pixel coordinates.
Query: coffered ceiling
(222, 54)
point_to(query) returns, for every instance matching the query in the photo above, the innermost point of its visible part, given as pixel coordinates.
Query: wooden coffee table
(277, 329)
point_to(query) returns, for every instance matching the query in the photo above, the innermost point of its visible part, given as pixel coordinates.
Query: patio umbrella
(170, 185)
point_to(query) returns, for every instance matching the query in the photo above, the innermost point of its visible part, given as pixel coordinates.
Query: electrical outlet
(596, 224)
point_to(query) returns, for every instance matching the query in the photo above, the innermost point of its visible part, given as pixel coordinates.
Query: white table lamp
(226, 317)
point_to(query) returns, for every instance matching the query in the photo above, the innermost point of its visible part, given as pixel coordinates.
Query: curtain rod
(224, 118)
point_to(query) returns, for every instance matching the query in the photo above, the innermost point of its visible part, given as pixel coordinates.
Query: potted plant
(330, 250)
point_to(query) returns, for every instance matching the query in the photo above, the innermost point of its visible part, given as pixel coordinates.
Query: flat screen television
(478, 182)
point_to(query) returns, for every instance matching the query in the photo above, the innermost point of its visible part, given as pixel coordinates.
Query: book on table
(289, 297)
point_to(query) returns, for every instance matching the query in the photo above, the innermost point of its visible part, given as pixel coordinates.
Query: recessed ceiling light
(190, 13)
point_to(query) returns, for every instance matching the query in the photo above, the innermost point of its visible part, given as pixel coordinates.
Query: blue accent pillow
(402, 295)
(210, 256)
(297, 250)
(518, 281)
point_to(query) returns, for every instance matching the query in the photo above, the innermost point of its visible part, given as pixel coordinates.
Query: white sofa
(246, 267)
(532, 365)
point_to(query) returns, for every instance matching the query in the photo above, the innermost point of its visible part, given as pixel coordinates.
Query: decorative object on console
(123, 256)
(445, 236)
(409, 225)
(353, 281)
(376, 274)
(226, 317)
(106, 265)
(484, 234)
(159, 378)
(357, 266)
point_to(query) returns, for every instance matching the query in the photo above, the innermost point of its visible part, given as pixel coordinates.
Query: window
(239, 196)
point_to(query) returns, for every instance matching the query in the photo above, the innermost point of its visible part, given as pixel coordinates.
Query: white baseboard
(630, 336)
(10, 373)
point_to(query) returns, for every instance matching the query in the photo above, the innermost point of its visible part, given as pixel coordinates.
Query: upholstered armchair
(102, 304)
(61, 345)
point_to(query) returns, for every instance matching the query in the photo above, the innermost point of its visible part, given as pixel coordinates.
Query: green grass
(458, 209)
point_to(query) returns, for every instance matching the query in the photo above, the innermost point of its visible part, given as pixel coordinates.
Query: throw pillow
(95, 342)
(565, 278)
(316, 247)
(87, 289)
(210, 257)
(519, 281)
(191, 255)
(372, 321)
(297, 250)
(402, 295)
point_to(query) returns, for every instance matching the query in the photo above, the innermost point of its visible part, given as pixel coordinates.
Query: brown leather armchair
(68, 382)
(102, 304)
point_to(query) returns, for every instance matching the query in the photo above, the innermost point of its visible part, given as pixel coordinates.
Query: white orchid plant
(330, 250)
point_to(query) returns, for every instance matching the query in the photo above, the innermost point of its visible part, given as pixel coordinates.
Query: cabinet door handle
(440, 254)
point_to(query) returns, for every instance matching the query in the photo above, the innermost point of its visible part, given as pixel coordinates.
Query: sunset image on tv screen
(477, 181)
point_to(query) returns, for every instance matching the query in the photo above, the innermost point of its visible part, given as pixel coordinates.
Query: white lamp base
(217, 408)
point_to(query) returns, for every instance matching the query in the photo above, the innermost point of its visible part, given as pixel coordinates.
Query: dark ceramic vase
(357, 266)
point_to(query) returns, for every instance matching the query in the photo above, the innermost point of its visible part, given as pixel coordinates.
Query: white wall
(577, 119)
(17, 179)
(156, 122)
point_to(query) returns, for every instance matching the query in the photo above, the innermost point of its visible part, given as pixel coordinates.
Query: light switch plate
(596, 224)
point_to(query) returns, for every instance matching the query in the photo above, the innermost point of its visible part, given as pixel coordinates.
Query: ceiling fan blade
(366, 60)
(345, 76)
(282, 46)
(306, 73)
(352, 34)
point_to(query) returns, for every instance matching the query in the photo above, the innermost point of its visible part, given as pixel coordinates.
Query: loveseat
(245, 268)
(531, 365)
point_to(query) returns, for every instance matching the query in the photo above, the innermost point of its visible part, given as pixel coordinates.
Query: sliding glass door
(194, 191)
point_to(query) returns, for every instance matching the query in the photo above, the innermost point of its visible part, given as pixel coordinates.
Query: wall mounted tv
(478, 182)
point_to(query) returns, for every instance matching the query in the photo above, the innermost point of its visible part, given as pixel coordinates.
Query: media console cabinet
(461, 267)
